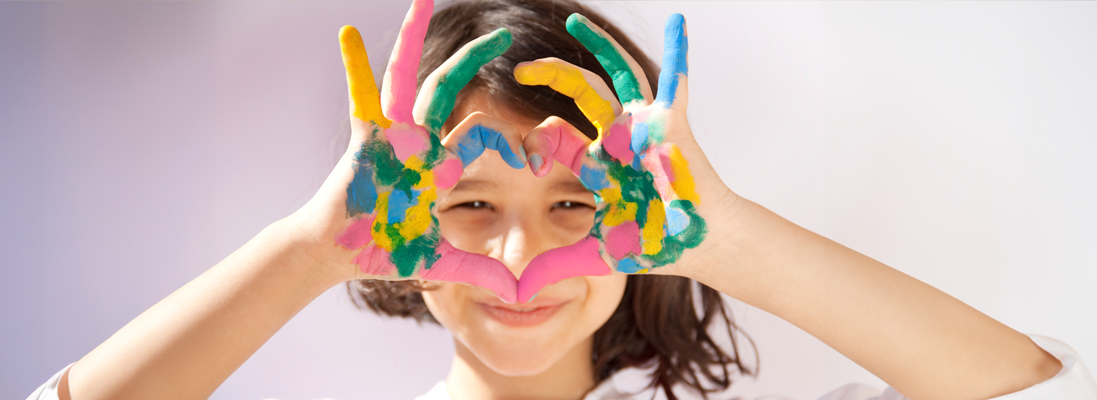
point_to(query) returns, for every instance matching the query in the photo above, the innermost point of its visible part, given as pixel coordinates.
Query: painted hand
(401, 166)
(638, 168)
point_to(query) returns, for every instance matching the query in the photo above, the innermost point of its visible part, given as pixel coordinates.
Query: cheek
(604, 294)
(447, 304)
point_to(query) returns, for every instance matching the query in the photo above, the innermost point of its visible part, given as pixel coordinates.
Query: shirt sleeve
(1073, 382)
(48, 390)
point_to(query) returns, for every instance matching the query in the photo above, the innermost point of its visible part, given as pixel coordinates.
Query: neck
(569, 378)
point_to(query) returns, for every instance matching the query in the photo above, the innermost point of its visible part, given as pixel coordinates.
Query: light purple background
(140, 143)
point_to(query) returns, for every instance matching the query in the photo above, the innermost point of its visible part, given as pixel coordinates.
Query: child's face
(513, 216)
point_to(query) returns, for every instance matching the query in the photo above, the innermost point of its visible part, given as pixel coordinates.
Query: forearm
(923, 342)
(186, 345)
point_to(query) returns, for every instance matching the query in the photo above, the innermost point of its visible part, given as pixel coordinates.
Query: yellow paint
(364, 97)
(643, 271)
(569, 81)
(652, 233)
(418, 219)
(379, 236)
(683, 183)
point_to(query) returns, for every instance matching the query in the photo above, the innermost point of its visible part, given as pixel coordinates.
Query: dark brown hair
(657, 325)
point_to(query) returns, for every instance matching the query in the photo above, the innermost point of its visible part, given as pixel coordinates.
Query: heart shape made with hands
(645, 192)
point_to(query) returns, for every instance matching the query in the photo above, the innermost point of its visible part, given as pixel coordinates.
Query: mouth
(521, 315)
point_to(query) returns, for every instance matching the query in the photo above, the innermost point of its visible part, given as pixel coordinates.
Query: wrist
(302, 250)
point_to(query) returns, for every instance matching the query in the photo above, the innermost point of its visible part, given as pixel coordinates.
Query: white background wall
(141, 143)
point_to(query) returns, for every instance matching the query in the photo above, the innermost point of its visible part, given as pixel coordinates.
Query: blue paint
(639, 141)
(675, 48)
(361, 193)
(593, 179)
(479, 138)
(628, 266)
(677, 221)
(399, 204)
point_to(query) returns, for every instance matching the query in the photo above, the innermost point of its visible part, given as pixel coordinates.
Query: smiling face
(510, 215)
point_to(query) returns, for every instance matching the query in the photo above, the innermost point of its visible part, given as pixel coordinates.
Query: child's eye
(475, 205)
(569, 205)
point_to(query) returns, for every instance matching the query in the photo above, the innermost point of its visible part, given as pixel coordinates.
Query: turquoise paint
(593, 179)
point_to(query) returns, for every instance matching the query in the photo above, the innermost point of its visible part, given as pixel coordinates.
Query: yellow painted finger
(589, 91)
(364, 97)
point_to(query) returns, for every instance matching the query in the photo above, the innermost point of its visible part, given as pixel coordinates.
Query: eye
(569, 205)
(475, 205)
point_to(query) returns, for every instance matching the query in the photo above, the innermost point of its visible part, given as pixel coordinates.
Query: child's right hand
(373, 218)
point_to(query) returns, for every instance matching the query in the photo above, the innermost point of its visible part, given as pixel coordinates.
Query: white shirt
(1073, 382)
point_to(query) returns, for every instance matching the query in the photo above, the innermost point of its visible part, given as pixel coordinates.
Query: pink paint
(447, 173)
(617, 143)
(566, 147)
(398, 96)
(579, 259)
(406, 140)
(357, 233)
(472, 269)
(657, 161)
(375, 261)
(623, 239)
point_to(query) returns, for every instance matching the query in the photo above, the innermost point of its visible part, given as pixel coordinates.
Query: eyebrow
(573, 187)
(475, 185)
(481, 185)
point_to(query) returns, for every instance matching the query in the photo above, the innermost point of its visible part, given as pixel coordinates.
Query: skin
(918, 339)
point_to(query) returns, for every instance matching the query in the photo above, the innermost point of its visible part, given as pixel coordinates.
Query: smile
(521, 316)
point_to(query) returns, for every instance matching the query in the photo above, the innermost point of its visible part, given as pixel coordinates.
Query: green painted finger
(441, 87)
(612, 57)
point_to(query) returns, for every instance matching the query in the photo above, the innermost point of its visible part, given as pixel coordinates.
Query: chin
(527, 339)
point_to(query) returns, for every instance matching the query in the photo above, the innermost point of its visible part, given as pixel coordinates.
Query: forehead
(489, 173)
(479, 101)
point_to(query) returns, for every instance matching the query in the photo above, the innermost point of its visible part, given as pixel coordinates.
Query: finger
(628, 77)
(364, 101)
(401, 76)
(439, 93)
(555, 139)
(675, 65)
(458, 266)
(591, 94)
(579, 259)
(479, 132)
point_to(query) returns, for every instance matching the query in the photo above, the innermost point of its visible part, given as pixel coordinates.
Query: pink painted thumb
(579, 259)
(472, 269)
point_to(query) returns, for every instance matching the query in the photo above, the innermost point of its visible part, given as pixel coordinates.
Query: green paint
(628, 88)
(473, 56)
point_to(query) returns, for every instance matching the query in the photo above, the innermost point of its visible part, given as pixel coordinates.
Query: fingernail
(522, 153)
(535, 162)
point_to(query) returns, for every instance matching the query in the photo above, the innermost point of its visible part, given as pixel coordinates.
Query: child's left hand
(658, 196)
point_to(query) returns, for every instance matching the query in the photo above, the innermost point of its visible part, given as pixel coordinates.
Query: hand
(397, 166)
(648, 174)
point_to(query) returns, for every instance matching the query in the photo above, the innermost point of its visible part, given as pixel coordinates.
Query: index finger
(439, 92)
(401, 75)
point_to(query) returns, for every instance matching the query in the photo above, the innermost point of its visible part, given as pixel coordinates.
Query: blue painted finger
(675, 66)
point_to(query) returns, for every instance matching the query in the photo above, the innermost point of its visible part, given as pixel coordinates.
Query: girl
(544, 317)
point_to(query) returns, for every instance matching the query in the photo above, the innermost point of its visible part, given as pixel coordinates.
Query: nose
(522, 237)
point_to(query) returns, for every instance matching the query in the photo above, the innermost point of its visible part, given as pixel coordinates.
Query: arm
(921, 341)
(186, 345)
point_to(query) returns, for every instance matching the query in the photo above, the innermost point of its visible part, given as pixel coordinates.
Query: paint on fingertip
(522, 153)
(478, 138)
(535, 162)
(675, 65)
